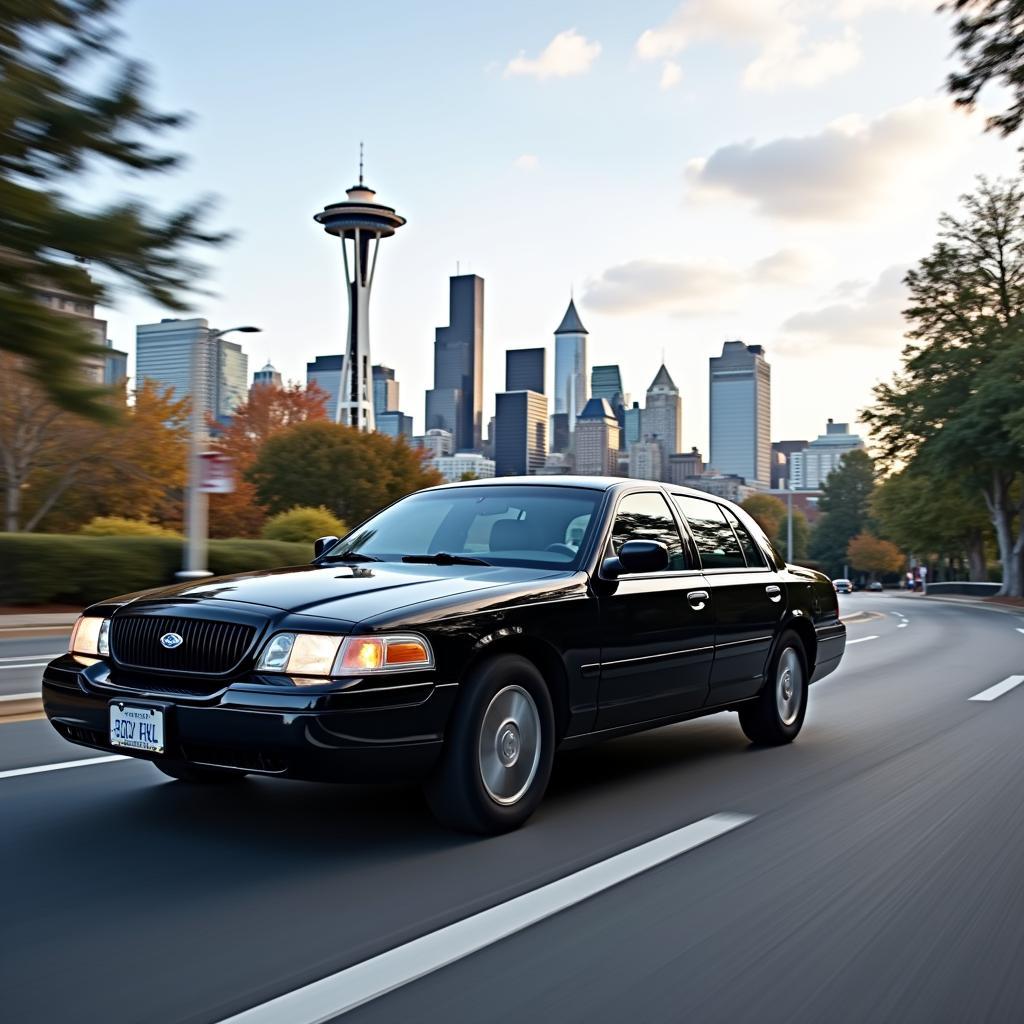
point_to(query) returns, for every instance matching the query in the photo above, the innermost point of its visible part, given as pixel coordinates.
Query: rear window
(716, 542)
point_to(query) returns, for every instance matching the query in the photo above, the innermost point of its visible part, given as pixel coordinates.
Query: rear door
(749, 597)
(657, 629)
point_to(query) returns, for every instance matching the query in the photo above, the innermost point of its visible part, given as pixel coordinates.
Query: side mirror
(321, 544)
(637, 556)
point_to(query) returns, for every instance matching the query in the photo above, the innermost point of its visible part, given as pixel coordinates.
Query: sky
(692, 172)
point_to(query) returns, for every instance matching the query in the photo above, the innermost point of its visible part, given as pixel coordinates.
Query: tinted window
(752, 553)
(526, 526)
(712, 533)
(648, 517)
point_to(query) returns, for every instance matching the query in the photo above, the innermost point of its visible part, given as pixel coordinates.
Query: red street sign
(216, 473)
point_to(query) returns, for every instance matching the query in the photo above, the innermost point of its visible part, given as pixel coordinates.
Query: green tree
(845, 502)
(351, 473)
(69, 105)
(303, 524)
(954, 407)
(929, 514)
(990, 45)
(767, 511)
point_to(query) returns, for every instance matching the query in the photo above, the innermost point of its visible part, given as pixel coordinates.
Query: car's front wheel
(776, 715)
(183, 771)
(498, 751)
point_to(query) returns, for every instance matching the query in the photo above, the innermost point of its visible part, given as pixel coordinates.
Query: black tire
(197, 774)
(770, 720)
(457, 791)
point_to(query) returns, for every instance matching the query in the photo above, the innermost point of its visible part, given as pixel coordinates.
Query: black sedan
(459, 637)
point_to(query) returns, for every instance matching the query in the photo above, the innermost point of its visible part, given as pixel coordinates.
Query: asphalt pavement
(871, 871)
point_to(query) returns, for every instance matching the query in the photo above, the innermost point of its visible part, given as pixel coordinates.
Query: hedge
(50, 568)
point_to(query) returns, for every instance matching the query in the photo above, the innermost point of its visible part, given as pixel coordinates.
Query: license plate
(138, 728)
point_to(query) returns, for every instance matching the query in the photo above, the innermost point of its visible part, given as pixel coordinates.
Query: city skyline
(781, 199)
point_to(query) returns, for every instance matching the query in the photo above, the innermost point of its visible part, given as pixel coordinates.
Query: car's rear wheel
(499, 749)
(776, 715)
(184, 771)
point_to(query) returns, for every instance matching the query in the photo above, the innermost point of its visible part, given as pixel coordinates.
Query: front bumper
(372, 730)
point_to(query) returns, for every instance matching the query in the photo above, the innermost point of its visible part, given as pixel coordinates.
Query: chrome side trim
(752, 640)
(654, 657)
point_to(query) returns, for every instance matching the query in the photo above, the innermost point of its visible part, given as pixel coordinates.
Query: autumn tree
(767, 511)
(68, 105)
(953, 409)
(351, 473)
(268, 410)
(870, 554)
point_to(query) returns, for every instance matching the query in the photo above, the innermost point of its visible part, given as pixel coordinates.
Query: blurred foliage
(303, 524)
(59, 470)
(845, 502)
(119, 526)
(954, 408)
(268, 410)
(72, 569)
(990, 44)
(352, 473)
(868, 553)
(772, 514)
(69, 107)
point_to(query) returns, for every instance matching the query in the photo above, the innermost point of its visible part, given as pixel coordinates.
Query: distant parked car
(843, 586)
(875, 586)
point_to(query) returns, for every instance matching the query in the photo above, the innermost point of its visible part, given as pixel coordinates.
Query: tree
(268, 410)
(351, 473)
(767, 511)
(801, 537)
(845, 502)
(62, 469)
(870, 554)
(54, 128)
(931, 515)
(953, 408)
(469, 475)
(990, 42)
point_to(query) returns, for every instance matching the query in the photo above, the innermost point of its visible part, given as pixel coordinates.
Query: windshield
(535, 526)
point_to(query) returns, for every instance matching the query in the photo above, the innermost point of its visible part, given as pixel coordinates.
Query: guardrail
(965, 588)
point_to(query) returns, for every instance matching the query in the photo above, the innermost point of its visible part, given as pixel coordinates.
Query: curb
(20, 705)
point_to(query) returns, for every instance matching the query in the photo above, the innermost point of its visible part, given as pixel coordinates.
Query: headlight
(90, 636)
(315, 654)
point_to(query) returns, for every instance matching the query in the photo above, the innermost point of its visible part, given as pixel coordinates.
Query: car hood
(350, 592)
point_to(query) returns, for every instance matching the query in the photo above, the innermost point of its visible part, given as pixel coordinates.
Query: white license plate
(138, 728)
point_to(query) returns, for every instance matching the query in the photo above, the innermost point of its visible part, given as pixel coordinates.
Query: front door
(749, 598)
(657, 629)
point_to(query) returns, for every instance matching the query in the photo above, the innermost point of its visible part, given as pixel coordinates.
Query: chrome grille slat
(209, 647)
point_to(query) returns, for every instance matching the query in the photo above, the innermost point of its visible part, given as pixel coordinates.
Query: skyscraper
(810, 468)
(571, 365)
(360, 223)
(740, 386)
(163, 353)
(597, 439)
(520, 432)
(524, 369)
(646, 460)
(269, 375)
(633, 428)
(109, 367)
(606, 382)
(394, 424)
(325, 372)
(455, 402)
(663, 414)
(385, 389)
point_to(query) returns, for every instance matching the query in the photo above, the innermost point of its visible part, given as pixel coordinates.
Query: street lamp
(196, 505)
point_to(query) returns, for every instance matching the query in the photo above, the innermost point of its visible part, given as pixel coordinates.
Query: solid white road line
(37, 769)
(26, 657)
(337, 994)
(19, 696)
(28, 664)
(860, 640)
(999, 689)
(1019, 630)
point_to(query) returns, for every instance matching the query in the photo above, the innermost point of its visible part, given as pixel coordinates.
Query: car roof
(597, 483)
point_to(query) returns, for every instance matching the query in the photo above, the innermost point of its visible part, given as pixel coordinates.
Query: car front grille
(207, 647)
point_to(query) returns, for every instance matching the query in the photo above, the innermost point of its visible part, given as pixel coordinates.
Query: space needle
(363, 222)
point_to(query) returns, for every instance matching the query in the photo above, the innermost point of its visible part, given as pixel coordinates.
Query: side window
(712, 533)
(648, 517)
(753, 554)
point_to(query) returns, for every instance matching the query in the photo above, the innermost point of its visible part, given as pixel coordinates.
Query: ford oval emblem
(171, 640)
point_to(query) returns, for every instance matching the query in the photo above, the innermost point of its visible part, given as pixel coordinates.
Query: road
(872, 871)
(23, 657)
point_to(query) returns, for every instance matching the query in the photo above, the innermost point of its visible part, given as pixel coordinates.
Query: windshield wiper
(351, 556)
(443, 558)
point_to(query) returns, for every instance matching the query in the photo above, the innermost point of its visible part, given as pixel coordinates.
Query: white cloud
(840, 171)
(794, 41)
(870, 318)
(644, 285)
(671, 74)
(567, 54)
(526, 162)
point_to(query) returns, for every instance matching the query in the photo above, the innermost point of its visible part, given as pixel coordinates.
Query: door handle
(774, 593)
(698, 599)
